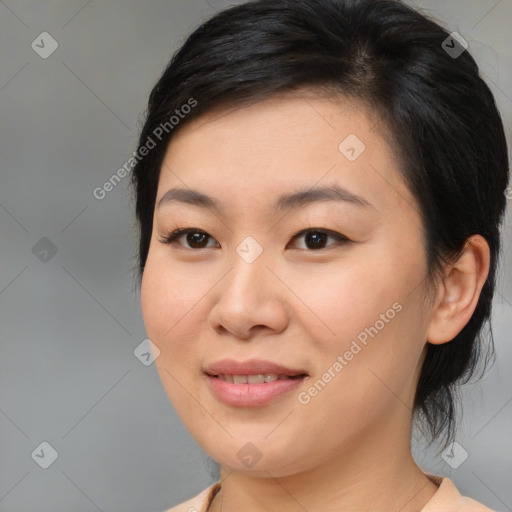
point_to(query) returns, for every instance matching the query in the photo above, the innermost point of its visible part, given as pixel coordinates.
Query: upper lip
(250, 367)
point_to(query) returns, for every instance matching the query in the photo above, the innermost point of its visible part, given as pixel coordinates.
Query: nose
(250, 301)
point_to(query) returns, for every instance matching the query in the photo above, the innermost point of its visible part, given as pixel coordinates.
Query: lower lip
(251, 395)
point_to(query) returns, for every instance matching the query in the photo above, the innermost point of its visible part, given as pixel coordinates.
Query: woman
(319, 202)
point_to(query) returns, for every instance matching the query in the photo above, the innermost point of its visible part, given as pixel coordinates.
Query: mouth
(259, 378)
(253, 371)
(251, 383)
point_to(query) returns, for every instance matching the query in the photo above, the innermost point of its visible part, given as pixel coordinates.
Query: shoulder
(449, 499)
(198, 503)
(446, 499)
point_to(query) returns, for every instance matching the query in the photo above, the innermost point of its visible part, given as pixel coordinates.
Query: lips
(251, 383)
(254, 367)
(260, 378)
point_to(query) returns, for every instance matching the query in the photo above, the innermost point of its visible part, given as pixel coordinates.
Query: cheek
(343, 300)
(167, 300)
(366, 314)
(167, 297)
(157, 303)
(174, 301)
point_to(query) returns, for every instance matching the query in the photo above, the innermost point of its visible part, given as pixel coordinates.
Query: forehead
(284, 143)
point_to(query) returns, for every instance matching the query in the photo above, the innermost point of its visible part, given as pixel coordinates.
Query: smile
(259, 378)
(252, 390)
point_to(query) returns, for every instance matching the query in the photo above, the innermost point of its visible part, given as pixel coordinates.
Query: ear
(459, 291)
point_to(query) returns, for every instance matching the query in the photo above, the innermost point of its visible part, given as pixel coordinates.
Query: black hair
(441, 118)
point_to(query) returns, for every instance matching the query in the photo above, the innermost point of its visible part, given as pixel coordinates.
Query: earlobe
(459, 291)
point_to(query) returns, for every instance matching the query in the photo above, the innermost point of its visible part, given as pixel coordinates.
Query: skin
(349, 447)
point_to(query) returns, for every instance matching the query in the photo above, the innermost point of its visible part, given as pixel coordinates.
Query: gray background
(69, 325)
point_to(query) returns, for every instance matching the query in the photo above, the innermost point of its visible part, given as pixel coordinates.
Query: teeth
(256, 379)
(260, 378)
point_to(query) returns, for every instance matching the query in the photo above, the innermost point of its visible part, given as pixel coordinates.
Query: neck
(373, 472)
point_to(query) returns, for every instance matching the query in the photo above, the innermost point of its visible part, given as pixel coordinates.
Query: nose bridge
(249, 250)
(248, 297)
(249, 267)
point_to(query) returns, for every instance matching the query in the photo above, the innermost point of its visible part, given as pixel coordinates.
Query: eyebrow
(294, 200)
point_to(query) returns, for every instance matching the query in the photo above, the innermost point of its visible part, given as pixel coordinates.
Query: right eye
(194, 237)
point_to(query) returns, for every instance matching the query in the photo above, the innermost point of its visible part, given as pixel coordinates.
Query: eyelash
(171, 238)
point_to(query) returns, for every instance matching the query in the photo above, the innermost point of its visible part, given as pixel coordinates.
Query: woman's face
(342, 305)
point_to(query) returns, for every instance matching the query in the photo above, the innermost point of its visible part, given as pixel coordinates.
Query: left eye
(315, 238)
